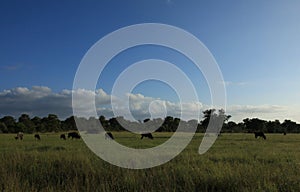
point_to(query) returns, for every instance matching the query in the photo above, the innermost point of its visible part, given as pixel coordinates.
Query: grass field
(236, 162)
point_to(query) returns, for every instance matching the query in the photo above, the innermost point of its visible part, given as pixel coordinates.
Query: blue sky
(256, 44)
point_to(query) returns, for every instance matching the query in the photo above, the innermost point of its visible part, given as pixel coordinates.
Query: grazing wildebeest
(63, 136)
(284, 133)
(149, 135)
(260, 134)
(109, 135)
(19, 136)
(74, 135)
(37, 136)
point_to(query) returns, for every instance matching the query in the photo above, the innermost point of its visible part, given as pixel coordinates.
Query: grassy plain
(236, 162)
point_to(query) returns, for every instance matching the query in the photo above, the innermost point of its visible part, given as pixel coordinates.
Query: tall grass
(236, 162)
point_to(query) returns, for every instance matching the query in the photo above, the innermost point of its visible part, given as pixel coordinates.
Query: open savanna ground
(236, 162)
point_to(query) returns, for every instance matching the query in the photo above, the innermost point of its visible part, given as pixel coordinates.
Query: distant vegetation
(52, 123)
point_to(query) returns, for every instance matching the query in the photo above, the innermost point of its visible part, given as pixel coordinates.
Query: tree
(190, 125)
(51, 123)
(255, 124)
(168, 123)
(217, 117)
(274, 127)
(104, 122)
(207, 114)
(28, 124)
(231, 127)
(10, 123)
(20, 127)
(38, 125)
(92, 125)
(3, 128)
(290, 126)
(69, 124)
(114, 124)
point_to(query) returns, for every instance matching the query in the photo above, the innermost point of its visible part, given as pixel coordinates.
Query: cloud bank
(41, 101)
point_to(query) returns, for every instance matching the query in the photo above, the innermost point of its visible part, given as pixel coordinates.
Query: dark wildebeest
(63, 136)
(284, 133)
(260, 134)
(37, 136)
(149, 135)
(19, 136)
(109, 135)
(74, 135)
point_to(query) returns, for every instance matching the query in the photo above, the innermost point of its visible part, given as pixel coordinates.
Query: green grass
(236, 162)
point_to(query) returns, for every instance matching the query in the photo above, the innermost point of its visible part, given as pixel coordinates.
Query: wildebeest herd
(72, 135)
(75, 135)
(109, 135)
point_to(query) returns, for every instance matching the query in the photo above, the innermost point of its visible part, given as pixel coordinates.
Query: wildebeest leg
(142, 137)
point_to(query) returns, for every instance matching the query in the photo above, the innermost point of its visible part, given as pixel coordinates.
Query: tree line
(52, 123)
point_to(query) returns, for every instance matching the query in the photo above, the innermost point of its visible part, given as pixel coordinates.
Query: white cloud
(267, 112)
(36, 101)
(40, 101)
